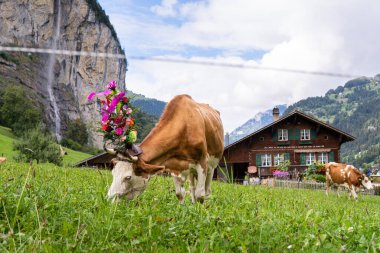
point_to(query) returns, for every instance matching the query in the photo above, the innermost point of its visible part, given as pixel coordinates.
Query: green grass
(6, 144)
(63, 209)
(6, 140)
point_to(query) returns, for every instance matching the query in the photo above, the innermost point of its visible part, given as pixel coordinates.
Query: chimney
(227, 139)
(276, 114)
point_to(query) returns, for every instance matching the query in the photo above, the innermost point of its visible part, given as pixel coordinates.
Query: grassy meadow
(50, 209)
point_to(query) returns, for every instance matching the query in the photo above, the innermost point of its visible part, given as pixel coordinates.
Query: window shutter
(313, 134)
(258, 160)
(297, 134)
(290, 134)
(275, 134)
(331, 156)
(303, 159)
(287, 157)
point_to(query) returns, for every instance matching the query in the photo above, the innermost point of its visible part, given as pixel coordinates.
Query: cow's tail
(328, 173)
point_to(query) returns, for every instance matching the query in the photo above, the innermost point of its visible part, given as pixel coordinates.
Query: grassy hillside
(6, 144)
(354, 108)
(64, 209)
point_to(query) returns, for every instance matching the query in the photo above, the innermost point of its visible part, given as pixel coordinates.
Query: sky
(339, 36)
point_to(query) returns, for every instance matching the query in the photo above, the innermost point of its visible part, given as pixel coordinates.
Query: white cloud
(331, 36)
(165, 9)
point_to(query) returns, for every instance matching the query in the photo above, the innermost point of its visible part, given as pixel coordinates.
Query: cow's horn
(126, 156)
(109, 150)
(131, 157)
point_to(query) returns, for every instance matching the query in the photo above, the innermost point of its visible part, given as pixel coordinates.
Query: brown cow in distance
(339, 174)
(186, 142)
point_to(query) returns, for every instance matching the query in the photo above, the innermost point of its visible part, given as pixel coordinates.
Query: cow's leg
(328, 182)
(212, 163)
(179, 189)
(192, 188)
(328, 186)
(337, 190)
(210, 174)
(353, 192)
(200, 191)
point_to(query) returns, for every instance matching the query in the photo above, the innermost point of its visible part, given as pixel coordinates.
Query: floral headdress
(117, 123)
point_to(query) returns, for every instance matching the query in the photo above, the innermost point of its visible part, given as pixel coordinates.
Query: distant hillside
(149, 105)
(354, 108)
(260, 120)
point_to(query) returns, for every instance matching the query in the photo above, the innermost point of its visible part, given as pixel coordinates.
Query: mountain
(260, 120)
(150, 106)
(354, 108)
(60, 84)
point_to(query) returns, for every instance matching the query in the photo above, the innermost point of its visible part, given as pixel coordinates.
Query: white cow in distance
(3, 160)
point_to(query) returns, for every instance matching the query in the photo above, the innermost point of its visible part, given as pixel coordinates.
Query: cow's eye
(127, 178)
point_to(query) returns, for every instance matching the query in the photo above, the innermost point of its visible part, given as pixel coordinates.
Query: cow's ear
(153, 169)
(145, 169)
(114, 161)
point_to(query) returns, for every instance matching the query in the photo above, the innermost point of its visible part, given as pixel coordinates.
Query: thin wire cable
(173, 60)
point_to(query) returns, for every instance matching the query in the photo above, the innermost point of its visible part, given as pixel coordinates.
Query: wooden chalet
(297, 137)
(101, 161)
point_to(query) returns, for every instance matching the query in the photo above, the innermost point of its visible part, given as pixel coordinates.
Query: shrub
(77, 132)
(284, 166)
(320, 178)
(37, 144)
(311, 173)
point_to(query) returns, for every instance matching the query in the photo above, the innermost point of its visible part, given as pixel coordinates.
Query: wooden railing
(318, 186)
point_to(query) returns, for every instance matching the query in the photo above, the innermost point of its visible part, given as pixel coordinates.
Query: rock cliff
(61, 82)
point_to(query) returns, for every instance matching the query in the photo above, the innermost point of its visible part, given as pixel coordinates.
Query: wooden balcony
(293, 170)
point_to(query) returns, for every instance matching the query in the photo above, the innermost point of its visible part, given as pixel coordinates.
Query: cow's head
(128, 179)
(367, 183)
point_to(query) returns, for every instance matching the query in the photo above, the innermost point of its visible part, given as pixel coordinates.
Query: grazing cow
(187, 142)
(339, 174)
(3, 160)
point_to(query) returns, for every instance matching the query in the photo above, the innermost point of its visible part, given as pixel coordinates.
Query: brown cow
(187, 141)
(3, 160)
(339, 174)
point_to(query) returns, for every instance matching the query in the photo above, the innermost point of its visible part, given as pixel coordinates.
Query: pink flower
(105, 118)
(112, 85)
(119, 131)
(105, 93)
(115, 101)
(129, 111)
(90, 96)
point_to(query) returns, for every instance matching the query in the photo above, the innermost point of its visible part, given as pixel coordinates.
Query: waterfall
(56, 118)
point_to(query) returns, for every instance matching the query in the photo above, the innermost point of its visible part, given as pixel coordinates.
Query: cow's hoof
(201, 199)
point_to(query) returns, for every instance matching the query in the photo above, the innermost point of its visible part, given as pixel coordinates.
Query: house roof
(284, 117)
(90, 159)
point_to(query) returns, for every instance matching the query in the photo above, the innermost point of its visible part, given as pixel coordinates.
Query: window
(261, 138)
(310, 158)
(323, 157)
(266, 160)
(282, 134)
(278, 159)
(305, 134)
(326, 137)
